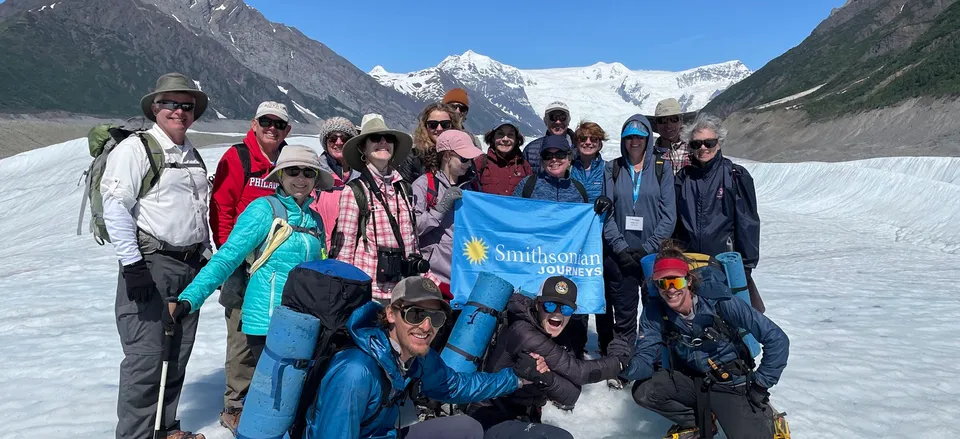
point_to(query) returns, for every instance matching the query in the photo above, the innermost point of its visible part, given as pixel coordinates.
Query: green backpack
(101, 140)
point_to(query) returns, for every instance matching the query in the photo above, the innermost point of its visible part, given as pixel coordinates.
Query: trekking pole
(165, 354)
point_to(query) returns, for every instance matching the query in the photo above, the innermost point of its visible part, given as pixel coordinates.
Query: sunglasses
(669, 119)
(677, 283)
(709, 143)
(414, 315)
(376, 138)
(551, 307)
(265, 122)
(593, 139)
(433, 124)
(332, 138)
(463, 161)
(460, 107)
(559, 155)
(295, 172)
(558, 117)
(174, 105)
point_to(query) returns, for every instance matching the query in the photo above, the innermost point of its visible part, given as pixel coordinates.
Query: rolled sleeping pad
(472, 333)
(737, 281)
(269, 412)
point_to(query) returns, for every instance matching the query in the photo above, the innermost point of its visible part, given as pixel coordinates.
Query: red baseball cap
(670, 267)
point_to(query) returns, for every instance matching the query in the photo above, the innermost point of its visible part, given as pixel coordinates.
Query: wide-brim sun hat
(174, 83)
(300, 156)
(375, 125)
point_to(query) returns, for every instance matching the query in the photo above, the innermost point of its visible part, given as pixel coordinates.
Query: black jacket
(523, 333)
(717, 210)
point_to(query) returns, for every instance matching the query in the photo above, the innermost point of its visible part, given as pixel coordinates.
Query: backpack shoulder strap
(658, 155)
(483, 165)
(243, 152)
(431, 190)
(581, 189)
(617, 164)
(279, 211)
(529, 185)
(156, 159)
(360, 194)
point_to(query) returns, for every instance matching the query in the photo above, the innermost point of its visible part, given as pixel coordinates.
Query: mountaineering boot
(678, 432)
(180, 434)
(230, 419)
(616, 383)
(781, 430)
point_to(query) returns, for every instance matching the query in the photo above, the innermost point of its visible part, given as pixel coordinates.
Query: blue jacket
(351, 390)
(656, 202)
(265, 287)
(593, 179)
(531, 152)
(717, 211)
(735, 312)
(551, 188)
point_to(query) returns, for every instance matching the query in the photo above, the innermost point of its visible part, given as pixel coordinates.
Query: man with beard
(557, 119)
(667, 122)
(238, 181)
(368, 389)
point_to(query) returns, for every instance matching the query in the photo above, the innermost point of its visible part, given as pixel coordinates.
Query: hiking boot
(180, 434)
(678, 432)
(230, 419)
(616, 383)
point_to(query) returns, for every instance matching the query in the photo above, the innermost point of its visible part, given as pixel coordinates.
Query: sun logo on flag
(475, 250)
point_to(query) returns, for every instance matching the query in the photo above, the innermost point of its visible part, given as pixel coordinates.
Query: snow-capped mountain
(606, 93)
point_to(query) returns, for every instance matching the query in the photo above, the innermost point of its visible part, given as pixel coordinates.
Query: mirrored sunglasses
(551, 307)
(677, 283)
(415, 315)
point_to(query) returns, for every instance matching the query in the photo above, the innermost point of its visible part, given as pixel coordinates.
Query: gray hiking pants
(239, 364)
(141, 336)
(676, 400)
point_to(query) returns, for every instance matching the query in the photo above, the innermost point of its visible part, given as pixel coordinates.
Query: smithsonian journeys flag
(525, 241)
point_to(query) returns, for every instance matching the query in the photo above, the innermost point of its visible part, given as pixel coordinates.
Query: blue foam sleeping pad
(269, 412)
(473, 330)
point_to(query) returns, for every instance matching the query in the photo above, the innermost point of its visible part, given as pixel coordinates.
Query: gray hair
(704, 121)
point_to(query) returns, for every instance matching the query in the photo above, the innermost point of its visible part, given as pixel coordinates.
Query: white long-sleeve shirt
(174, 210)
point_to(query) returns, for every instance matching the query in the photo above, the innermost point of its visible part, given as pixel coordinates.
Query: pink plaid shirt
(678, 154)
(363, 253)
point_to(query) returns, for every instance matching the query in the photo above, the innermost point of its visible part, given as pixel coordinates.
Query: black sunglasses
(462, 108)
(294, 172)
(559, 155)
(433, 124)
(174, 105)
(709, 143)
(333, 137)
(558, 117)
(668, 119)
(376, 138)
(594, 139)
(415, 315)
(265, 122)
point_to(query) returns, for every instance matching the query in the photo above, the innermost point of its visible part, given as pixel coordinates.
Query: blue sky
(661, 35)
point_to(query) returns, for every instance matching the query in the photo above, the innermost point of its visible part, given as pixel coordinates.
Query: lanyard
(635, 177)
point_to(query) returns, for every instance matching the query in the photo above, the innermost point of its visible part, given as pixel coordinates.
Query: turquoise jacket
(265, 287)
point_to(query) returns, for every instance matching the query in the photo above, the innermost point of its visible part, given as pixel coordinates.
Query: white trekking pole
(167, 338)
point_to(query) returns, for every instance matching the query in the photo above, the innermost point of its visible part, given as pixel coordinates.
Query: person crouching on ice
(532, 326)
(367, 390)
(710, 368)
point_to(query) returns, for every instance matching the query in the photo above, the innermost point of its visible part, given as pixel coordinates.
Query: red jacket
(498, 175)
(231, 194)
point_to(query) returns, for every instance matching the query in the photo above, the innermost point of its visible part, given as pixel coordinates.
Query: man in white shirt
(161, 236)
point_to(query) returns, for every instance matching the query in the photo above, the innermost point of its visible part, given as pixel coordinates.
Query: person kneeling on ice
(367, 390)
(532, 326)
(710, 367)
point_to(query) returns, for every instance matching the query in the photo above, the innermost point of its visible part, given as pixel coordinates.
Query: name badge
(635, 223)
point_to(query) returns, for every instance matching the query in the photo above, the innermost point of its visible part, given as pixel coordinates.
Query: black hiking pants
(622, 292)
(526, 430)
(676, 400)
(141, 337)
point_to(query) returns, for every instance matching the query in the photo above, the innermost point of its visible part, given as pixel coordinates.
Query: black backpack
(658, 168)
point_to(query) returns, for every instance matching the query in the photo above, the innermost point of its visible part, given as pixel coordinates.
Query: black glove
(139, 282)
(758, 396)
(621, 349)
(603, 204)
(170, 320)
(628, 264)
(526, 368)
(637, 254)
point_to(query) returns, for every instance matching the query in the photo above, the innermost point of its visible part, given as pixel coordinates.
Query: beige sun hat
(174, 83)
(299, 155)
(374, 124)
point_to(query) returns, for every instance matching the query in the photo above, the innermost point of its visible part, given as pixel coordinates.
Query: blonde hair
(423, 146)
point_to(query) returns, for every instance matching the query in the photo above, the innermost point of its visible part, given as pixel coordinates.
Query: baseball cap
(555, 141)
(555, 106)
(458, 142)
(274, 109)
(417, 289)
(635, 128)
(559, 289)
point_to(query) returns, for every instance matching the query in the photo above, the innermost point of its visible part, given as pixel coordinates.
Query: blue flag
(525, 241)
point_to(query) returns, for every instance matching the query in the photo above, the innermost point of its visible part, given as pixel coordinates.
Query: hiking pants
(676, 400)
(141, 337)
(526, 430)
(239, 364)
(622, 291)
(450, 427)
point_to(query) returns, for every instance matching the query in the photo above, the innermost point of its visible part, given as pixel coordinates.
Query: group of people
(383, 201)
